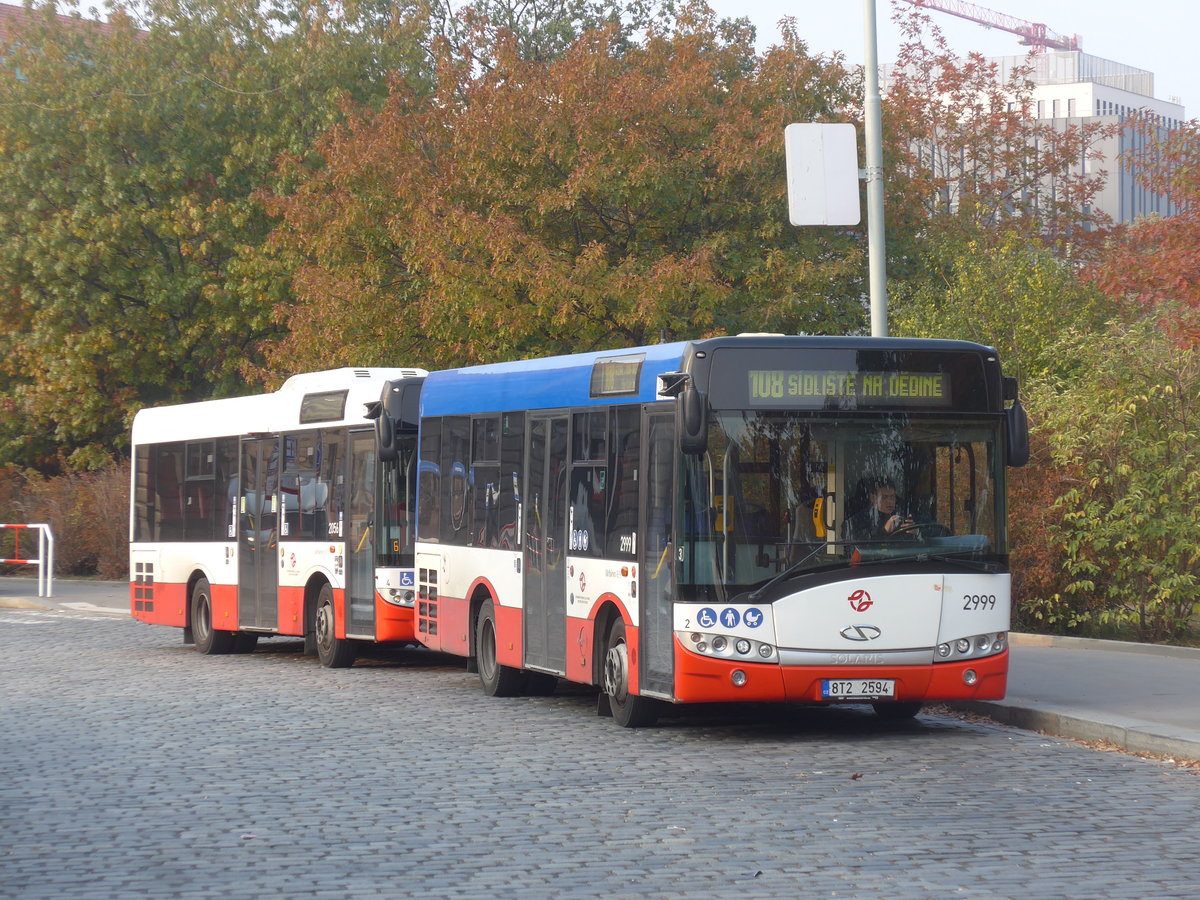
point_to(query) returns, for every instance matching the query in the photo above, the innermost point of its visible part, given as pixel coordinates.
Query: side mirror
(385, 431)
(1018, 434)
(385, 437)
(691, 420)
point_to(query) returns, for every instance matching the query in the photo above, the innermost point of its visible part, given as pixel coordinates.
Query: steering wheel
(927, 529)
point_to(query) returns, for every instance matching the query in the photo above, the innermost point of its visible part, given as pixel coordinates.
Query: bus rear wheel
(334, 652)
(497, 680)
(628, 710)
(208, 639)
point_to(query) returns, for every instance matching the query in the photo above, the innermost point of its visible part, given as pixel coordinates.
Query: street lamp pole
(873, 130)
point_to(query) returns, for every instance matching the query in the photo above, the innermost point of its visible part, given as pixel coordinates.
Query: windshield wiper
(790, 570)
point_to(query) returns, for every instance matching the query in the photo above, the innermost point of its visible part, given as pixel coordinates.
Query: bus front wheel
(334, 652)
(208, 639)
(629, 710)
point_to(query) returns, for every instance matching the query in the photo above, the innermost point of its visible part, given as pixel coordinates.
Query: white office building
(1073, 87)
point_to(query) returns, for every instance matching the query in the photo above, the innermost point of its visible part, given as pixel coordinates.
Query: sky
(1163, 37)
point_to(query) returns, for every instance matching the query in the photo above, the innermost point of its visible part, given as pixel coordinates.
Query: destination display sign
(834, 389)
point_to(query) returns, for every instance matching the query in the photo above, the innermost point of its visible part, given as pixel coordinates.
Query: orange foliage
(618, 194)
(1155, 263)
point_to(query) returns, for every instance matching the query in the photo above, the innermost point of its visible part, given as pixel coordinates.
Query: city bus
(286, 513)
(682, 523)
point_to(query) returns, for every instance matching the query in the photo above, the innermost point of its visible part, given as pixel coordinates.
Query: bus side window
(485, 482)
(589, 483)
(429, 491)
(512, 465)
(456, 500)
(329, 495)
(170, 502)
(143, 494)
(199, 468)
(625, 450)
(226, 488)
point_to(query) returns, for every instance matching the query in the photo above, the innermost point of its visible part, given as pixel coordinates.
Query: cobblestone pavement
(131, 766)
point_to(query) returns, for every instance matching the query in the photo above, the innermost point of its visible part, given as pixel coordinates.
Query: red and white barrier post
(45, 557)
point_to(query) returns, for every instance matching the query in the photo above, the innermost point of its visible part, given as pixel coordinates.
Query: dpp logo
(860, 601)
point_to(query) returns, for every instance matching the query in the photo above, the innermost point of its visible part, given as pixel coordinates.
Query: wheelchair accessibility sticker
(729, 617)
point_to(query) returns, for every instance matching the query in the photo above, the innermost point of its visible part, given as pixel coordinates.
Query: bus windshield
(782, 493)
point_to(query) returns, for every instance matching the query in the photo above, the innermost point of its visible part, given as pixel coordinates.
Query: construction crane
(1032, 34)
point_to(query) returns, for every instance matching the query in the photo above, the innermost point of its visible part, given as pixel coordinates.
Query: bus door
(656, 672)
(360, 536)
(258, 534)
(546, 542)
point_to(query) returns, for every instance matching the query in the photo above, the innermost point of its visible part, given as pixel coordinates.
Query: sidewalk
(75, 594)
(1139, 697)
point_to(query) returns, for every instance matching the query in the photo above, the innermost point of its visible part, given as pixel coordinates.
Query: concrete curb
(1132, 736)
(21, 603)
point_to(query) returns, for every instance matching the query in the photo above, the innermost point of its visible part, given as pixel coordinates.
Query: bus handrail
(45, 557)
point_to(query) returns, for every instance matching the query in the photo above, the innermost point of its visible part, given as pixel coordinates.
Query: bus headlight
(398, 597)
(722, 646)
(973, 647)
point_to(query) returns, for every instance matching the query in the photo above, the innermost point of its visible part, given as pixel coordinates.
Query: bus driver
(879, 521)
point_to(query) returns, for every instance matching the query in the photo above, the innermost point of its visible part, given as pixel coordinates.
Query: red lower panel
(453, 623)
(159, 604)
(339, 613)
(225, 607)
(701, 679)
(581, 639)
(291, 610)
(510, 644)
(392, 623)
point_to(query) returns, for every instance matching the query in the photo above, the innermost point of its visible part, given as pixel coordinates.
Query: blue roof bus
(751, 518)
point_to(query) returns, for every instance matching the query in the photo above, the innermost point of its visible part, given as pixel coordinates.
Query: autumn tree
(1128, 433)
(1156, 261)
(540, 29)
(1008, 291)
(131, 155)
(627, 191)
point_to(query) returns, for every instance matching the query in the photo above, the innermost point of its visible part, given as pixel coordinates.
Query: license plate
(857, 688)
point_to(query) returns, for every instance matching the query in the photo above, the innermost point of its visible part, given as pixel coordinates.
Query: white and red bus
(279, 514)
(702, 521)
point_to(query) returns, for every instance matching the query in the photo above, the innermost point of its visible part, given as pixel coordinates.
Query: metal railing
(45, 555)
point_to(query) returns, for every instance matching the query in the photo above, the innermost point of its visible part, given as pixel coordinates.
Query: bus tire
(334, 652)
(896, 712)
(209, 640)
(629, 710)
(497, 680)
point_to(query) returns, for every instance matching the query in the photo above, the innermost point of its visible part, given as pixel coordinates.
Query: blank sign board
(822, 174)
